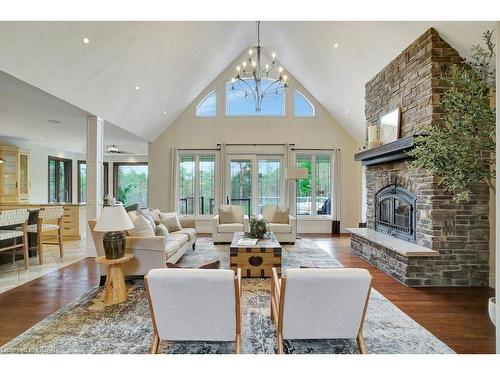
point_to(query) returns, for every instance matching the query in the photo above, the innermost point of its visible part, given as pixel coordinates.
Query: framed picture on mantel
(389, 126)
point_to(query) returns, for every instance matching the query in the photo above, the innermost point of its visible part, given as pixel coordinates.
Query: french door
(254, 181)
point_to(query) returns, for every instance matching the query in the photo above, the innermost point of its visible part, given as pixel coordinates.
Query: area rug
(87, 326)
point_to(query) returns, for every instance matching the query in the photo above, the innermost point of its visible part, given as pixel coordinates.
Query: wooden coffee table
(258, 260)
(116, 291)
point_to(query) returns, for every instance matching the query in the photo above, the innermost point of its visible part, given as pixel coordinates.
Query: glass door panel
(304, 186)
(269, 183)
(10, 173)
(241, 176)
(323, 184)
(187, 184)
(207, 184)
(23, 174)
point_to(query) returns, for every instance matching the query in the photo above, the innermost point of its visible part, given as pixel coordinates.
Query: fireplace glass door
(395, 212)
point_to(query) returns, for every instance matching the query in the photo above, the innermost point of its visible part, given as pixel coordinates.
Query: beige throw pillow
(226, 215)
(155, 214)
(142, 227)
(281, 215)
(171, 221)
(161, 230)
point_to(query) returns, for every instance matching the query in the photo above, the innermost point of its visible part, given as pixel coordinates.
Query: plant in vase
(258, 228)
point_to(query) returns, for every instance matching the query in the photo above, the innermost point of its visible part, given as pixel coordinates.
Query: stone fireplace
(415, 231)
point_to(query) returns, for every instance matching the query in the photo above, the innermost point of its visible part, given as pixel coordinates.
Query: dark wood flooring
(457, 316)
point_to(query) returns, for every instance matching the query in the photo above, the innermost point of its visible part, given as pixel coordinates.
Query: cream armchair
(286, 229)
(230, 219)
(194, 305)
(319, 303)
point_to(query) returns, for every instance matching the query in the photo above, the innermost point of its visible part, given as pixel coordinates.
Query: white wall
(497, 226)
(322, 131)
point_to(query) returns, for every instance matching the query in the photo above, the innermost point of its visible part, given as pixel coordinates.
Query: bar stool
(15, 217)
(48, 214)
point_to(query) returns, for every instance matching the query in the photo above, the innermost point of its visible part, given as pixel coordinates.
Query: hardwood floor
(457, 316)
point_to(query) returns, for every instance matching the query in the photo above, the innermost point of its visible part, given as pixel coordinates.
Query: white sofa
(284, 232)
(223, 232)
(151, 251)
(194, 305)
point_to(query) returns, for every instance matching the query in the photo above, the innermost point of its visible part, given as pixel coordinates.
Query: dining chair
(10, 218)
(49, 219)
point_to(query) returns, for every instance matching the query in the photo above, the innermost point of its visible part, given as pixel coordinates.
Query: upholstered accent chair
(316, 303)
(231, 219)
(281, 223)
(194, 305)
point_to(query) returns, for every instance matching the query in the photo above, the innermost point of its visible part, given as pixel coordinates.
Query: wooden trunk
(255, 261)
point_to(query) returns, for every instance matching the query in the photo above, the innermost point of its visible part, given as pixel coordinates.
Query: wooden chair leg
(361, 343)
(156, 343)
(39, 246)
(14, 252)
(280, 344)
(26, 251)
(61, 246)
(238, 344)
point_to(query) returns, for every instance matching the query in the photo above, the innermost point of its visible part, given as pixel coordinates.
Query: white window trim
(315, 215)
(197, 154)
(253, 116)
(296, 91)
(196, 115)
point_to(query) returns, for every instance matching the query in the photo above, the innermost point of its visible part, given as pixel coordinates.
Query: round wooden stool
(116, 291)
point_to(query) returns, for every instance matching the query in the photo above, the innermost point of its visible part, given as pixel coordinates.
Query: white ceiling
(173, 62)
(25, 112)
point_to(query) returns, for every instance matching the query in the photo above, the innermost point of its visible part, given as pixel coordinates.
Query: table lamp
(294, 173)
(114, 221)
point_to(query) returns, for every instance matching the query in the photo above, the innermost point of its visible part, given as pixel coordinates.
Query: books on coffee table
(247, 241)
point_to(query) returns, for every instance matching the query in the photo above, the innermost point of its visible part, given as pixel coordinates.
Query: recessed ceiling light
(336, 45)
(164, 112)
(42, 138)
(77, 138)
(85, 40)
(137, 87)
(346, 112)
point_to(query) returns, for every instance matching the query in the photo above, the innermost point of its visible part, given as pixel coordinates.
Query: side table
(116, 291)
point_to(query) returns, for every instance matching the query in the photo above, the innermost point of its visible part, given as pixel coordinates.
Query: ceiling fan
(113, 149)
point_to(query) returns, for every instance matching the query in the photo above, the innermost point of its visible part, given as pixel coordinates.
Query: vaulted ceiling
(172, 62)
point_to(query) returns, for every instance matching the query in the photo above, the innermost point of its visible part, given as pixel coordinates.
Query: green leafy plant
(460, 151)
(258, 228)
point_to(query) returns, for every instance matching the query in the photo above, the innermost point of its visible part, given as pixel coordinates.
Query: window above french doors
(254, 181)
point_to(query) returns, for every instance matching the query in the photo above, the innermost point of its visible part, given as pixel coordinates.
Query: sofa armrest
(156, 243)
(215, 224)
(187, 222)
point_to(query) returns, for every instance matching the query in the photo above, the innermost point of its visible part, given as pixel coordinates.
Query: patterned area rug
(87, 326)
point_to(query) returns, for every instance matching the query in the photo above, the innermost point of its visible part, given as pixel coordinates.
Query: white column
(94, 156)
(497, 247)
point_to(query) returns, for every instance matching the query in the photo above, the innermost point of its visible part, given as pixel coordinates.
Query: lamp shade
(294, 173)
(113, 219)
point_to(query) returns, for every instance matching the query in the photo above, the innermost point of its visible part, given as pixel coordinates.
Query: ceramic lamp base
(114, 245)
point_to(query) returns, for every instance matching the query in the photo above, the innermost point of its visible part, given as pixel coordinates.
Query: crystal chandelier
(257, 81)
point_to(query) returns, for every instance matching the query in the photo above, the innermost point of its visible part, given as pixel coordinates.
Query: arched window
(240, 104)
(303, 107)
(208, 106)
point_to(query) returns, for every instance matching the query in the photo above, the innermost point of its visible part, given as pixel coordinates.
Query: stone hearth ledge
(404, 248)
